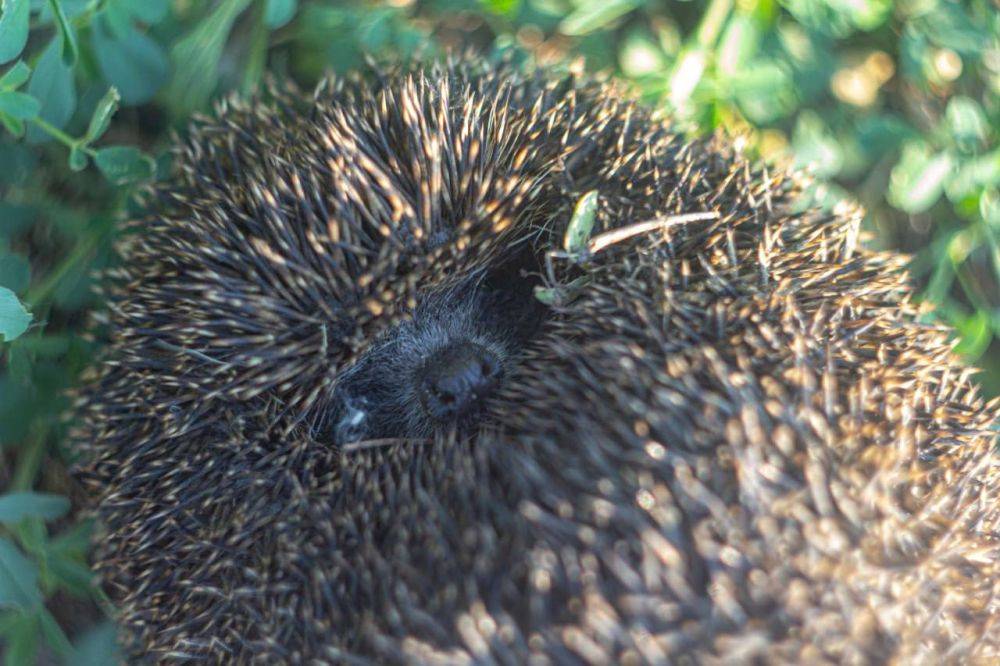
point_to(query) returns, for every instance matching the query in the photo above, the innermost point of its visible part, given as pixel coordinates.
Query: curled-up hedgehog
(368, 398)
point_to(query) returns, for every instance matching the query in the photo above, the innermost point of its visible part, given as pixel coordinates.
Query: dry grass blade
(609, 238)
(368, 444)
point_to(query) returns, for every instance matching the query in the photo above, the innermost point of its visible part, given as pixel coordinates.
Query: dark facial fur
(730, 441)
(385, 393)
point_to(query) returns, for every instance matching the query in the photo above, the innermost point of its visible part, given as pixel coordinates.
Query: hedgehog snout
(456, 379)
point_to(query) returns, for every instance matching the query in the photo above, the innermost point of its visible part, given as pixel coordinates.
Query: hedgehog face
(434, 371)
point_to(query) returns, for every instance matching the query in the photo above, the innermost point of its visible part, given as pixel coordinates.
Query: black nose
(456, 379)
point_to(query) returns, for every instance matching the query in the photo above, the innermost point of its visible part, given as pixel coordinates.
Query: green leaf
(14, 319)
(18, 578)
(67, 555)
(967, 121)
(196, 58)
(74, 9)
(149, 12)
(117, 18)
(77, 158)
(815, 146)
(738, 45)
(15, 271)
(22, 641)
(839, 18)
(581, 225)
(595, 15)
(14, 21)
(19, 105)
(918, 178)
(55, 637)
(101, 118)
(14, 507)
(914, 53)
(686, 74)
(13, 125)
(98, 647)
(865, 14)
(69, 50)
(31, 535)
(15, 76)
(561, 294)
(72, 575)
(19, 363)
(976, 334)
(503, 7)
(279, 12)
(879, 134)
(124, 164)
(132, 62)
(17, 165)
(943, 275)
(989, 210)
(951, 26)
(974, 175)
(75, 539)
(52, 85)
(640, 55)
(764, 91)
(46, 346)
(9, 620)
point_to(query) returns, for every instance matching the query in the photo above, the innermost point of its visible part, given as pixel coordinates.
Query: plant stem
(712, 22)
(29, 459)
(54, 132)
(43, 291)
(690, 66)
(61, 136)
(257, 56)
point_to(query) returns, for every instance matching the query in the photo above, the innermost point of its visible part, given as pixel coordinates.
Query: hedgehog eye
(508, 295)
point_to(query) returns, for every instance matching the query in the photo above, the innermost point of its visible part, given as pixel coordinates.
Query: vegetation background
(895, 103)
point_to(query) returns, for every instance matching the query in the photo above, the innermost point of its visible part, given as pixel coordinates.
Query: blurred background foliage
(896, 104)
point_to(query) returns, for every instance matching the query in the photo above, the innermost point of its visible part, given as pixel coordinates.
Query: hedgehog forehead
(439, 317)
(422, 282)
(386, 192)
(422, 166)
(435, 161)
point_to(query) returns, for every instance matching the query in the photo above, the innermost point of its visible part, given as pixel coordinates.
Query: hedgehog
(368, 398)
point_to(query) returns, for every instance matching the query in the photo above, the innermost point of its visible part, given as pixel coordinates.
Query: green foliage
(14, 319)
(14, 507)
(129, 60)
(13, 28)
(581, 224)
(34, 569)
(592, 16)
(279, 12)
(896, 103)
(196, 57)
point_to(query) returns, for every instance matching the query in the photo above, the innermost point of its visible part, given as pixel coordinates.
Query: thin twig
(378, 443)
(608, 238)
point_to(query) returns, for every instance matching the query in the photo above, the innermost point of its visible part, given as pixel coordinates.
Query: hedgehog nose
(456, 379)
